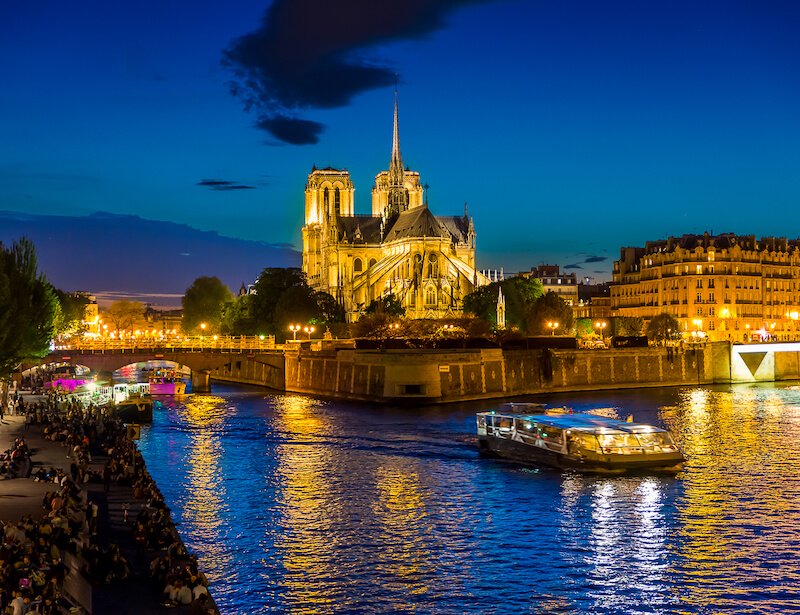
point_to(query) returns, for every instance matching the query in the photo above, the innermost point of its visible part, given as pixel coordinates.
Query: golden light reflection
(307, 506)
(400, 509)
(206, 490)
(738, 506)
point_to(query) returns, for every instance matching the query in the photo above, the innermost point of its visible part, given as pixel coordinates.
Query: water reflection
(302, 506)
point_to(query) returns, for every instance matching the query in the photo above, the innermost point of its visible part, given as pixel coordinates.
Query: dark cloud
(595, 259)
(308, 54)
(222, 185)
(573, 266)
(291, 130)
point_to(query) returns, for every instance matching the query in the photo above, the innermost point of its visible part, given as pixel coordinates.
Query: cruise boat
(166, 383)
(560, 438)
(135, 409)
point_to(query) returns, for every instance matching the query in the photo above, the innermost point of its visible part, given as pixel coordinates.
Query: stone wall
(459, 375)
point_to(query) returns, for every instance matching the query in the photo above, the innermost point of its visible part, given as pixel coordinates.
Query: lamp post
(600, 325)
(552, 325)
(309, 331)
(294, 329)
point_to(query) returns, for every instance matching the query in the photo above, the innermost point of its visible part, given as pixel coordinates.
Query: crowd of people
(32, 568)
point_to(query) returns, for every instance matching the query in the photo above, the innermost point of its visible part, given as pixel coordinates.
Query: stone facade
(427, 262)
(720, 287)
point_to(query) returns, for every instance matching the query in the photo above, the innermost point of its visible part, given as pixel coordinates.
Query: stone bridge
(201, 361)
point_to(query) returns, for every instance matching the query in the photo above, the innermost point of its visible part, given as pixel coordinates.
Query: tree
(549, 308)
(73, 309)
(28, 307)
(237, 317)
(663, 327)
(203, 302)
(388, 304)
(296, 305)
(268, 289)
(520, 294)
(628, 325)
(329, 309)
(123, 314)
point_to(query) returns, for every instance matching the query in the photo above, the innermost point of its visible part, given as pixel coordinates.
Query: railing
(191, 344)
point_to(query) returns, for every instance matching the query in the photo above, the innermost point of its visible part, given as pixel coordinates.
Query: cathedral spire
(396, 164)
(398, 196)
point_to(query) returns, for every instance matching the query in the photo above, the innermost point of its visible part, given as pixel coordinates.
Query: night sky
(570, 128)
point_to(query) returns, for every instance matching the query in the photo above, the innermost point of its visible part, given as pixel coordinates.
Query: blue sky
(571, 128)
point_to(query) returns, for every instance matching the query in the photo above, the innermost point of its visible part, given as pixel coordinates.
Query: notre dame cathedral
(427, 262)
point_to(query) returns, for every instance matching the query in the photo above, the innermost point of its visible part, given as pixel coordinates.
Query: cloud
(298, 59)
(223, 185)
(595, 259)
(573, 266)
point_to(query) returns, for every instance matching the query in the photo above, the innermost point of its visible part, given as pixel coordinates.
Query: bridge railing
(188, 344)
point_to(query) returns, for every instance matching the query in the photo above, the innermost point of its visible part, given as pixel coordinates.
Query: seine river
(306, 506)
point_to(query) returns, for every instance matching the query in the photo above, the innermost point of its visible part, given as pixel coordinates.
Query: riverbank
(106, 570)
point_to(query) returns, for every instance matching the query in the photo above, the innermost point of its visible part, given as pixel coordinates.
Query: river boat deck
(564, 439)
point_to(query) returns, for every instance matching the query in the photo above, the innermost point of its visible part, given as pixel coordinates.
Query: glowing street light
(309, 331)
(294, 329)
(552, 325)
(600, 325)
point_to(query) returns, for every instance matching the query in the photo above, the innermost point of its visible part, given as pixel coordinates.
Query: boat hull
(168, 388)
(606, 464)
(134, 411)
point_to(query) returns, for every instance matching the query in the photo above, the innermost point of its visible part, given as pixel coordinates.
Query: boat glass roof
(579, 421)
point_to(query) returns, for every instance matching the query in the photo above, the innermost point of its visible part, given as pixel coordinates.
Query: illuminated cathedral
(427, 262)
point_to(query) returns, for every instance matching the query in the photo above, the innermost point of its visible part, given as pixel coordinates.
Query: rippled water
(304, 506)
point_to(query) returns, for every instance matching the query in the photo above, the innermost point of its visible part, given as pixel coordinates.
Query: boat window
(589, 442)
(659, 441)
(551, 434)
(481, 421)
(525, 426)
(504, 422)
(621, 443)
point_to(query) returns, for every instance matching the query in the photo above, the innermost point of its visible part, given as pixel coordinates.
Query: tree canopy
(204, 302)
(663, 327)
(389, 304)
(123, 314)
(28, 307)
(628, 325)
(549, 308)
(282, 297)
(73, 309)
(520, 294)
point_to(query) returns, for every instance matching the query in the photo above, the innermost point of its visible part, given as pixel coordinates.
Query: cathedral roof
(359, 229)
(420, 222)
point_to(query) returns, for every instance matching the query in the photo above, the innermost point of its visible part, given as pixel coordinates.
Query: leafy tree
(520, 294)
(203, 302)
(73, 309)
(388, 304)
(123, 314)
(549, 308)
(28, 307)
(329, 309)
(663, 327)
(584, 327)
(628, 325)
(296, 305)
(237, 318)
(270, 286)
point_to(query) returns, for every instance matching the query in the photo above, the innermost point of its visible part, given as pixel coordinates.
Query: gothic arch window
(433, 266)
(430, 296)
(337, 201)
(372, 262)
(358, 266)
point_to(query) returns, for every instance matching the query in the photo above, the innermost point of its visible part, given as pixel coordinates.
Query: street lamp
(309, 331)
(600, 326)
(294, 329)
(552, 325)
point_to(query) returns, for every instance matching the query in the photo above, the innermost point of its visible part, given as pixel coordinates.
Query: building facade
(719, 287)
(427, 262)
(565, 285)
